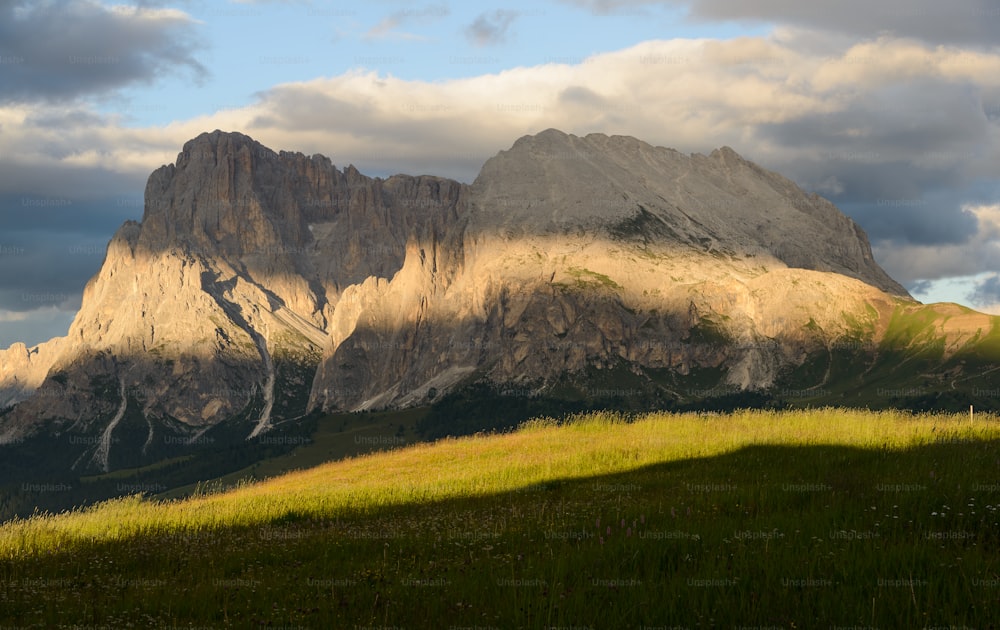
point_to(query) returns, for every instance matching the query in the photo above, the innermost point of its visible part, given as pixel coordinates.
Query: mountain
(263, 286)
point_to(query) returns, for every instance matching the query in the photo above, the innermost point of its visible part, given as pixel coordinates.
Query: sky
(889, 108)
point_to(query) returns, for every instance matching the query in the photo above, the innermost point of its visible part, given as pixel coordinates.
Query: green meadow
(813, 518)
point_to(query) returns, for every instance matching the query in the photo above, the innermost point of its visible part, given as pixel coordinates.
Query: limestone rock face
(262, 285)
(716, 203)
(584, 252)
(23, 369)
(218, 305)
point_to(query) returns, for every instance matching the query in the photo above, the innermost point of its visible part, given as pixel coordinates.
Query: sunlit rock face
(261, 285)
(574, 252)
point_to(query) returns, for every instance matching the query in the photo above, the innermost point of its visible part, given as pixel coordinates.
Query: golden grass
(590, 445)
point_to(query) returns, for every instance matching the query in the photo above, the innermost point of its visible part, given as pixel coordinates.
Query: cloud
(881, 151)
(62, 50)
(957, 22)
(615, 7)
(913, 264)
(68, 151)
(901, 134)
(491, 28)
(920, 287)
(34, 327)
(964, 22)
(387, 27)
(987, 291)
(901, 157)
(50, 246)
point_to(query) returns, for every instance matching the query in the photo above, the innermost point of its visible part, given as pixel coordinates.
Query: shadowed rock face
(261, 285)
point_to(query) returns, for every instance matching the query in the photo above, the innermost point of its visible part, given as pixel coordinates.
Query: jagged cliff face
(218, 306)
(589, 251)
(263, 285)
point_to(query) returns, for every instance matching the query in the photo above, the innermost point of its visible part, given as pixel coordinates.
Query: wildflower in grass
(642, 519)
(628, 533)
(609, 531)
(623, 523)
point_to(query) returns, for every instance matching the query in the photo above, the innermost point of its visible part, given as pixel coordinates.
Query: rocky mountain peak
(555, 182)
(261, 285)
(726, 154)
(211, 146)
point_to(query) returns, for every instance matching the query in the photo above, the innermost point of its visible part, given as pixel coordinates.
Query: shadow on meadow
(790, 536)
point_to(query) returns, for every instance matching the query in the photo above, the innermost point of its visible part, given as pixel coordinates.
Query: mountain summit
(715, 203)
(263, 286)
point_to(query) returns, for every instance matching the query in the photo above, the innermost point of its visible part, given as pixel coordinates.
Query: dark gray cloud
(893, 200)
(955, 22)
(896, 159)
(49, 249)
(491, 27)
(39, 327)
(50, 246)
(965, 22)
(61, 181)
(920, 120)
(987, 292)
(940, 221)
(920, 287)
(45, 214)
(25, 288)
(59, 50)
(41, 283)
(56, 220)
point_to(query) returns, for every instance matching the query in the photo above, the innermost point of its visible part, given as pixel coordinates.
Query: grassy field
(799, 519)
(337, 436)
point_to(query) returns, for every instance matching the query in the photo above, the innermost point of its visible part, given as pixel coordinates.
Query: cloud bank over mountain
(893, 113)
